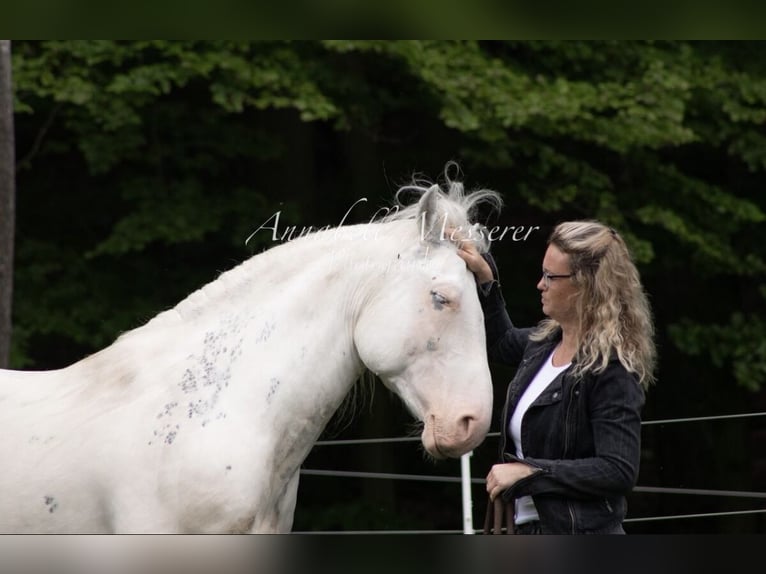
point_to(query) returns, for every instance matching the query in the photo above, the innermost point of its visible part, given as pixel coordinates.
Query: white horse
(199, 420)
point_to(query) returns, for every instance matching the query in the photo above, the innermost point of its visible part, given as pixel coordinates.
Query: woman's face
(557, 293)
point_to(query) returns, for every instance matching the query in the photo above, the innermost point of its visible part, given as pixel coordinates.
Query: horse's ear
(428, 215)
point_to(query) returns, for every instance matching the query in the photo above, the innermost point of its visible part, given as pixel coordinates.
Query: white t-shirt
(525, 506)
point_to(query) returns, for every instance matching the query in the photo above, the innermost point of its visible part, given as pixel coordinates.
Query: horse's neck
(286, 317)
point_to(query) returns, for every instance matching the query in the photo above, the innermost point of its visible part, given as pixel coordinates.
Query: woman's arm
(505, 342)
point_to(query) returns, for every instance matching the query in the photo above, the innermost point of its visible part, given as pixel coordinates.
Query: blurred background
(142, 167)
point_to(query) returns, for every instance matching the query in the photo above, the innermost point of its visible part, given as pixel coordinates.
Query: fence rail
(497, 434)
(466, 480)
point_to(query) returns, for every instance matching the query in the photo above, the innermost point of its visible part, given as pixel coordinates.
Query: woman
(571, 426)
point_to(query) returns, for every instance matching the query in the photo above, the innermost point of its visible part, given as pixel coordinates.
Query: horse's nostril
(467, 423)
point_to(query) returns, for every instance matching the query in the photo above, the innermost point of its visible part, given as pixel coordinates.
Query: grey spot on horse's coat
(208, 372)
(432, 344)
(51, 503)
(167, 433)
(168, 410)
(272, 389)
(188, 381)
(228, 467)
(200, 407)
(266, 332)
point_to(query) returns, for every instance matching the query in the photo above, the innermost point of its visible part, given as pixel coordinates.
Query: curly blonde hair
(612, 308)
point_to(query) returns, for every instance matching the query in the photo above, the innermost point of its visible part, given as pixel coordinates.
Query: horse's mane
(459, 208)
(257, 273)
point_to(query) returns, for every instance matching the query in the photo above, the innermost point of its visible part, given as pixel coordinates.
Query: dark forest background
(142, 167)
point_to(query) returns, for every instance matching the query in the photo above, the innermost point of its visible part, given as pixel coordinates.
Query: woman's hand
(502, 476)
(475, 262)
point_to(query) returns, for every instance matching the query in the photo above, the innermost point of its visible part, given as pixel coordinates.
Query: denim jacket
(582, 435)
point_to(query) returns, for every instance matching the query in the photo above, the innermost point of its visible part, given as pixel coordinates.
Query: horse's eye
(438, 298)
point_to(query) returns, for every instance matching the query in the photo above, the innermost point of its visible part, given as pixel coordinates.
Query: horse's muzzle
(454, 439)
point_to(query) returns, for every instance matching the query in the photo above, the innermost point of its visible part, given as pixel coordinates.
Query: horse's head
(422, 331)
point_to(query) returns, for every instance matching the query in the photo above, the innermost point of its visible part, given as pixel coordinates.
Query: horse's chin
(432, 448)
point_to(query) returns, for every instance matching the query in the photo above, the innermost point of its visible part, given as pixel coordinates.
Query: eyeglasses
(548, 276)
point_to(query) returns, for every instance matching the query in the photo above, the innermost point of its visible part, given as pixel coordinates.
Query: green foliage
(139, 156)
(739, 345)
